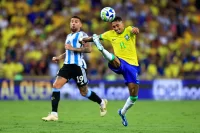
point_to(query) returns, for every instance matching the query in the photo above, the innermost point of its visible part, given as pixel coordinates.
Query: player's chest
(119, 39)
(73, 40)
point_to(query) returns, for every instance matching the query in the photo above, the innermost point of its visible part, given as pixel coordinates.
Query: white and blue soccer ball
(107, 14)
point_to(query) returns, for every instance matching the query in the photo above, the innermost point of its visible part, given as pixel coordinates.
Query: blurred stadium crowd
(33, 31)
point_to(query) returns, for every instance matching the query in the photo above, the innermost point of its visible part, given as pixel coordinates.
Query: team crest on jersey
(127, 37)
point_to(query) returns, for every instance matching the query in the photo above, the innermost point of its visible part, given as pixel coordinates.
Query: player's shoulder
(106, 34)
(70, 35)
(129, 27)
(109, 32)
(83, 33)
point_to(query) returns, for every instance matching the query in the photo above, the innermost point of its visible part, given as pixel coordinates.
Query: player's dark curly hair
(117, 18)
(77, 18)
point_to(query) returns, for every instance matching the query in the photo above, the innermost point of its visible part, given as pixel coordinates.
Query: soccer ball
(107, 14)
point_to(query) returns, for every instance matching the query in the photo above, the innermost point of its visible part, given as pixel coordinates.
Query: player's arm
(85, 49)
(57, 58)
(135, 30)
(87, 39)
(103, 36)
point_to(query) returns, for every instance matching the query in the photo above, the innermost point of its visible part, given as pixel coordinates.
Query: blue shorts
(130, 72)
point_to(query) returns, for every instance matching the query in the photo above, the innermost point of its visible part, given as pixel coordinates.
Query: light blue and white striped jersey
(75, 57)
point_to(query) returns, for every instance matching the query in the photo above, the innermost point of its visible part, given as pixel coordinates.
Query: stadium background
(34, 31)
(168, 48)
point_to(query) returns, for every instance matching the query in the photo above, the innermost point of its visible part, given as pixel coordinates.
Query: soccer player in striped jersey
(125, 62)
(74, 67)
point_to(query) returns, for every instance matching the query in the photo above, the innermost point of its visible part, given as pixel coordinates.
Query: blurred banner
(160, 89)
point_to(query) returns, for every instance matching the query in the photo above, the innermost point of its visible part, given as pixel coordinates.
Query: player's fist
(81, 40)
(55, 59)
(135, 30)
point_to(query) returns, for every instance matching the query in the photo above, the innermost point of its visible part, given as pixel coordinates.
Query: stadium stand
(33, 31)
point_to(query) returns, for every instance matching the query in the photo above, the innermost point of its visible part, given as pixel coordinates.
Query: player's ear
(122, 23)
(81, 24)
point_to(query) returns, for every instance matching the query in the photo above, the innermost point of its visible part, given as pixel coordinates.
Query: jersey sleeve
(104, 36)
(67, 40)
(84, 35)
(129, 28)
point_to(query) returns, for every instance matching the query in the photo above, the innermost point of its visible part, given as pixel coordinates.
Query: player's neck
(75, 31)
(122, 31)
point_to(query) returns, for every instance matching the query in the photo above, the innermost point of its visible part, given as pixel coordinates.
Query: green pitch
(83, 117)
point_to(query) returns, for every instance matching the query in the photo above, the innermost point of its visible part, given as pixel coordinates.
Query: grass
(83, 117)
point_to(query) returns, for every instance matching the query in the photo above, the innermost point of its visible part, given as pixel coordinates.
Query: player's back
(124, 44)
(73, 57)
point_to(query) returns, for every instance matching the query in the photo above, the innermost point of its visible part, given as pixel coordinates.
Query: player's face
(75, 24)
(118, 26)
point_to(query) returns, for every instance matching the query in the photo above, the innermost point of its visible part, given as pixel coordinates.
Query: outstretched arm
(86, 39)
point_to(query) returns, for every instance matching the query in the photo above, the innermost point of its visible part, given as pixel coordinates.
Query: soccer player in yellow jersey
(124, 61)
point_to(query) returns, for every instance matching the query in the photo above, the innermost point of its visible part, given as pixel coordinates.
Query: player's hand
(135, 30)
(69, 47)
(81, 40)
(55, 59)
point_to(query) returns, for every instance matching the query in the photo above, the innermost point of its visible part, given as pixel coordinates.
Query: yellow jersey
(124, 44)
